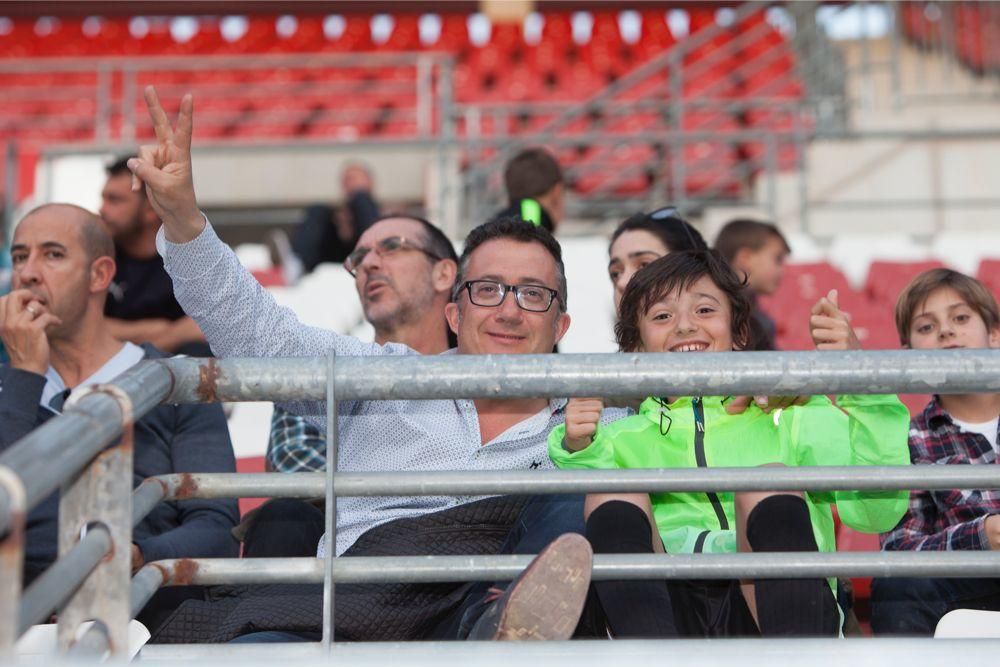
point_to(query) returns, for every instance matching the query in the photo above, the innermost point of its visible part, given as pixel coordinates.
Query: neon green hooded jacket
(873, 431)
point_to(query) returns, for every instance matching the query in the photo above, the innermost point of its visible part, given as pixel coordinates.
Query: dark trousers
(906, 606)
(284, 528)
(543, 519)
(287, 528)
(683, 608)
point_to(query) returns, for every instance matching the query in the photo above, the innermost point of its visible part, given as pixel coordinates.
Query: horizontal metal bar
(414, 569)
(519, 376)
(58, 583)
(215, 62)
(743, 652)
(42, 458)
(515, 482)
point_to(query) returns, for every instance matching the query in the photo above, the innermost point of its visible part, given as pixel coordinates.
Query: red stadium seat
(507, 37)
(989, 275)
(801, 287)
(887, 279)
(654, 36)
(622, 170)
(558, 28)
(357, 35)
(781, 124)
(309, 36)
(454, 37)
(405, 34)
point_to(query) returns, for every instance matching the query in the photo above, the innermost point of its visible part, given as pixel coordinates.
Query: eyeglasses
(672, 212)
(489, 293)
(384, 248)
(664, 213)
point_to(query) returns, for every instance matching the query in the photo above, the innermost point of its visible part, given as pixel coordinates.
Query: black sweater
(168, 439)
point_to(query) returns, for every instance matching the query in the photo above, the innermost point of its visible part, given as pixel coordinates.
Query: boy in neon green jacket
(693, 302)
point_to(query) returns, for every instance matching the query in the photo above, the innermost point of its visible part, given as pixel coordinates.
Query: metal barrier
(42, 461)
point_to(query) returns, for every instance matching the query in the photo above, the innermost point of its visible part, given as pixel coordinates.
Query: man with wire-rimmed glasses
(404, 269)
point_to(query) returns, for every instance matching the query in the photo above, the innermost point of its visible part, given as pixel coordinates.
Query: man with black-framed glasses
(240, 319)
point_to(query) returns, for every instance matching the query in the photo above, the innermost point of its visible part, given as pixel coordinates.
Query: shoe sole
(548, 598)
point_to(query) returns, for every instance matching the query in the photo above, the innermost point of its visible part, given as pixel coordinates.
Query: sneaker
(546, 600)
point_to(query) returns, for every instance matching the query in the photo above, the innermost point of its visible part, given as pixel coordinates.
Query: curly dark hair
(674, 272)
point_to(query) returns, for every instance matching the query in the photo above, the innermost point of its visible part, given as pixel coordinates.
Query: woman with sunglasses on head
(644, 237)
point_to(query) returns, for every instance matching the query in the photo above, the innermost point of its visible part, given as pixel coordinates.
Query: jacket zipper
(699, 455)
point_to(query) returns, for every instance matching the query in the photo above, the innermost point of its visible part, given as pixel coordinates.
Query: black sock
(799, 607)
(632, 608)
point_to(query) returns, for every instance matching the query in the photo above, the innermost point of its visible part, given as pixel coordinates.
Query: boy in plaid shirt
(944, 309)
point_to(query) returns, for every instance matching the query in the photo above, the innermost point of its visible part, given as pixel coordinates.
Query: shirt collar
(126, 358)
(935, 415)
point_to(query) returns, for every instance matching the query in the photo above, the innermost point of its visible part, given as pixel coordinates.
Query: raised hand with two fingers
(165, 170)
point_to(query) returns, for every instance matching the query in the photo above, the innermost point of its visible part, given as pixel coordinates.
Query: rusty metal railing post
(101, 494)
(11, 559)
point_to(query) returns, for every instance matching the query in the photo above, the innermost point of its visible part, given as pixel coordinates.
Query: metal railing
(69, 451)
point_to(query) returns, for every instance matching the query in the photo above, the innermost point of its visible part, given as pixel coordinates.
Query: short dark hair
(975, 294)
(119, 166)
(674, 272)
(434, 238)
(745, 233)
(513, 228)
(674, 232)
(531, 173)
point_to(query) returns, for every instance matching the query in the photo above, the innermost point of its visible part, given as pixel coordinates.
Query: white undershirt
(986, 429)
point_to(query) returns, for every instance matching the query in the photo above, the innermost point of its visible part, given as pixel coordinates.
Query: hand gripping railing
(62, 448)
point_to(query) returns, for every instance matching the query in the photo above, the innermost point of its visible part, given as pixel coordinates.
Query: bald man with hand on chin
(58, 338)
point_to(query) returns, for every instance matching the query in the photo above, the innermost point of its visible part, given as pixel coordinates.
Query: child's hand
(768, 404)
(830, 327)
(582, 415)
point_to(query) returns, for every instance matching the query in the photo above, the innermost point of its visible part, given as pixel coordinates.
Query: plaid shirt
(295, 444)
(945, 520)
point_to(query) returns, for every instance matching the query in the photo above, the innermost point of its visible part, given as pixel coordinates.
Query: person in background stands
(329, 233)
(757, 250)
(54, 328)
(535, 189)
(141, 306)
(942, 309)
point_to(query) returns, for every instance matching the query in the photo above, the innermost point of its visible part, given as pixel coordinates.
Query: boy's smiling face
(945, 321)
(695, 319)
